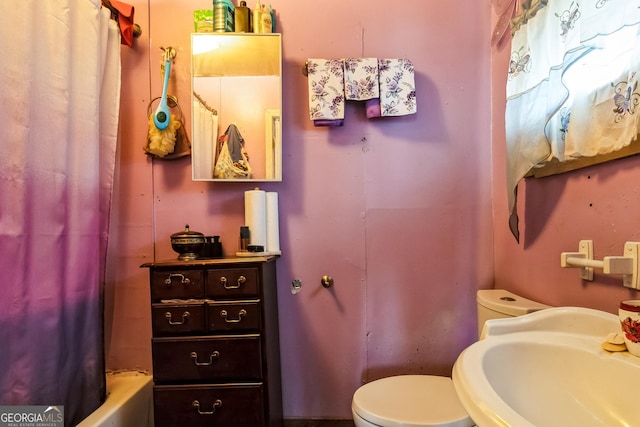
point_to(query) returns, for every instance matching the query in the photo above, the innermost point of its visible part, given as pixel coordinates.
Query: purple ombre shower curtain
(59, 106)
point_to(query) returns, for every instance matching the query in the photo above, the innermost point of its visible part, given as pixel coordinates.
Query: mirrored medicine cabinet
(236, 80)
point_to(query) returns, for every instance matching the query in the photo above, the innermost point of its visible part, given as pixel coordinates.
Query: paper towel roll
(255, 216)
(273, 227)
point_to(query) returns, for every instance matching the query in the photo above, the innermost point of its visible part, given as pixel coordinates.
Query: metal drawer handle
(214, 354)
(183, 279)
(224, 314)
(185, 316)
(216, 404)
(224, 282)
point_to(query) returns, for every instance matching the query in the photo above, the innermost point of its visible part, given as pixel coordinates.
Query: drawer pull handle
(185, 316)
(183, 279)
(224, 282)
(216, 404)
(224, 315)
(214, 355)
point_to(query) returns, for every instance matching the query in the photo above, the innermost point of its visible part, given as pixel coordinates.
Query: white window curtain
(572, 87)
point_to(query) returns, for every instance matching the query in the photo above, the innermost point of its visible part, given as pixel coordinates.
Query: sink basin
(548, 369)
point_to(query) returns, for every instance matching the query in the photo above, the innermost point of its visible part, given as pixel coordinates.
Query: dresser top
(209, 261)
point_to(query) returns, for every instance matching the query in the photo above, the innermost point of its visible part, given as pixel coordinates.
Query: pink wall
(398, 211)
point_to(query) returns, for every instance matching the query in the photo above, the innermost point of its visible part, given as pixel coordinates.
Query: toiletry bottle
(206, 249)
(219, 16)
(257, 18)
(265, 26)
(216, 247)
(244, 238)
(242, 18)
(273, 19)
(223, 16)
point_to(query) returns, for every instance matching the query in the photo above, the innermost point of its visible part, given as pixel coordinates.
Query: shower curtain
(59, 106)
(205, 138)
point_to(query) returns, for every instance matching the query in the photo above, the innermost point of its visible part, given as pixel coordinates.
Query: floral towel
(361, 79)
(397, 87)
(326, 89)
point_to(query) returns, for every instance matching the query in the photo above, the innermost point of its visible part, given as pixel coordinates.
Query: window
(572, 87)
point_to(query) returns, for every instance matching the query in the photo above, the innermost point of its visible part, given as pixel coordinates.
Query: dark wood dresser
(216, 351)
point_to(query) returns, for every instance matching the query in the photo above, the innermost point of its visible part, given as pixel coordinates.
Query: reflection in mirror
(237, 104)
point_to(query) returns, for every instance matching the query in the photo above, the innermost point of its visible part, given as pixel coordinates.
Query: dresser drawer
(216, 357)
(238, 405)
(232, 283)
(234, 316)
(178, 318)
(181, 284)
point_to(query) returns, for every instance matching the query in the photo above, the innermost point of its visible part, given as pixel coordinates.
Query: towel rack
(626, 265)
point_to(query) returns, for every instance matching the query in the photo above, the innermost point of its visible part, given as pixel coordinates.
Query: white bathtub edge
(129, 402)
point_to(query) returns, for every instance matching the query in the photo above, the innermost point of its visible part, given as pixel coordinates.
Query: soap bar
(613, 347)
(614, 342)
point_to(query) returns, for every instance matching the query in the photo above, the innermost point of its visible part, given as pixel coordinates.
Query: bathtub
(129, 402)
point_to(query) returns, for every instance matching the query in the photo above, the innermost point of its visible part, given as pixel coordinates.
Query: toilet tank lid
(507, 303)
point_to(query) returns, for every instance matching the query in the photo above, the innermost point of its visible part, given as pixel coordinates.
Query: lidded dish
(187, 243)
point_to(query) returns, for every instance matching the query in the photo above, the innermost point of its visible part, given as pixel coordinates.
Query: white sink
(548, 369)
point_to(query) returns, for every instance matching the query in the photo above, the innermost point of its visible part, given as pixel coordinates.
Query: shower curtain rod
(137, 30)
(204, 103)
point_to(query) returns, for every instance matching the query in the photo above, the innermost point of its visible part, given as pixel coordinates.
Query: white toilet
(429, 400)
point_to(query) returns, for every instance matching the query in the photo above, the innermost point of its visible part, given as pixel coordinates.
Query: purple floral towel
(326, 89)
(397, 87)
(361, 79)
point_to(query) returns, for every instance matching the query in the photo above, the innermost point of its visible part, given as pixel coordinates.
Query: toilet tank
(498, 303)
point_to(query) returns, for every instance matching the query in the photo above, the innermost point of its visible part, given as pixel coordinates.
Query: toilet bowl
(408, 401)
(430, 400)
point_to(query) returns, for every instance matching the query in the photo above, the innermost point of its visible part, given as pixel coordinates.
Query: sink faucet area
(548, 368)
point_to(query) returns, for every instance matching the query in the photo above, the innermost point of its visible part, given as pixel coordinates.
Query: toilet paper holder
(296, 284)
(627, 265)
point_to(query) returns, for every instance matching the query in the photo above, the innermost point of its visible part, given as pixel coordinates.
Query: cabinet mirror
(236, 108)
